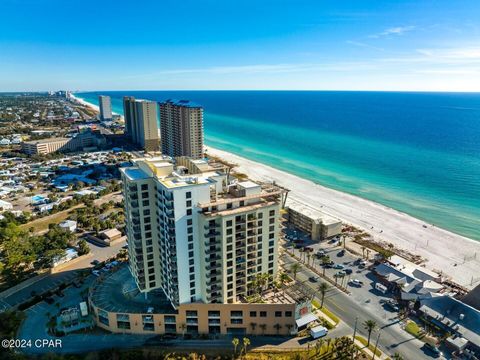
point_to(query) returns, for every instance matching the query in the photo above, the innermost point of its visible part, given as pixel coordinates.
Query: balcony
(210, 227)
(212, 234)
(213, 267)
(214, 258)
(214, 251)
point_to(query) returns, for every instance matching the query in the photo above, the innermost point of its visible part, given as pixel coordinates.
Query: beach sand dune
(454, 255)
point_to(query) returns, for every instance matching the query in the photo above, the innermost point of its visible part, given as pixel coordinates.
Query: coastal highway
(347, 307)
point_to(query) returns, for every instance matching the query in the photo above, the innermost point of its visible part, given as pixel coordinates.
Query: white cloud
(398, 30)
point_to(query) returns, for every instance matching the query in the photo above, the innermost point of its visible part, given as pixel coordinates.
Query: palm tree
(308, 258)
(294, 269)
(318, 346)
(397, 356)
(277, 327)
(235, 343)
(263, 327)
(363, 251)
(283, 277)
(253, 325)
(368, 253)
(322, 288)
(246, 342)
(289, 327)
(369, 325)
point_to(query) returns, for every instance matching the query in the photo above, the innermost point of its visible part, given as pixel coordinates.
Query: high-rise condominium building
(196, 236)
(141, 122)
(105, 105)
(181, 125)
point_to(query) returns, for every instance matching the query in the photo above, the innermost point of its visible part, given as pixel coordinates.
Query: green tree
(235, 343)
(369, 325)
(322, 288)
(83, 247)
(294, 269)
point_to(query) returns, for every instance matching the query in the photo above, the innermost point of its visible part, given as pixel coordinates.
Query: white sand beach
(454, 255)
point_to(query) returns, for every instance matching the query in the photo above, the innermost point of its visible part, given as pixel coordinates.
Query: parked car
(313, 279)
(433, 350)
(320, 253)
(392, 304)
(341, 253)
(95, 262)
(339, 274)
(348, 271)
(356, 282)
(338, 266)
(96, 272)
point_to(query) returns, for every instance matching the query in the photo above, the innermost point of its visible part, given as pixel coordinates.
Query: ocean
(418, 153)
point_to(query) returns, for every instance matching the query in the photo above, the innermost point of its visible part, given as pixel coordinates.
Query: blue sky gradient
(211, 44)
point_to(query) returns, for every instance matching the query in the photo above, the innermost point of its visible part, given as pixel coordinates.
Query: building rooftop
(454, 314)
(185, 103)
(316, 215)
(117, 292)
(45, 141)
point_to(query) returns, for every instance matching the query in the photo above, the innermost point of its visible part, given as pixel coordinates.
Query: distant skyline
(240, 45)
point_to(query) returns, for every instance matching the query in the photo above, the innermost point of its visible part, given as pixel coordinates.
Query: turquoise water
(415, 152)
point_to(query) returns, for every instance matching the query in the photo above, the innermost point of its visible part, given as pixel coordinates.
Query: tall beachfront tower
(105, 105)
(181, 126)
(194, 235)
(141, 122)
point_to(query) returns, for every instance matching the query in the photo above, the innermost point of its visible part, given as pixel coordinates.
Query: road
(363, 303)
(67, 274)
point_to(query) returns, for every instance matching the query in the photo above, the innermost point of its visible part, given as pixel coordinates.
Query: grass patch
(413, 329)
(327, 312)
(371, 347)
(41, 224)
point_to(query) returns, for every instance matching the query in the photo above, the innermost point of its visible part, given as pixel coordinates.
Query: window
(191, 262)
(190, 246)
(189, 212)
(288, 314)
(270, 258)
(145, 195)
(263, 314)
(189, 203)
(253, 314)
(146, 212)
(272, 212)
(190, 254)
(191, 313)
(144, 187)
(214, 313)
(192, 292)
(189, 230)
(229, 223)
(189, 221)
(278, 314)
(236, 313)
(188, 194)
(192, 277)
(260, 215)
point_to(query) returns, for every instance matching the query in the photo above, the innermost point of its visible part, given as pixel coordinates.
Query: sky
(419, 45)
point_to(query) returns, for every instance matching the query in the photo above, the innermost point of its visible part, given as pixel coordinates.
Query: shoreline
(90, 105)
(452, 254)
(441, 248)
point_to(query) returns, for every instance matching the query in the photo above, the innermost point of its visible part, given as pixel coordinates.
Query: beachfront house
(410, 281)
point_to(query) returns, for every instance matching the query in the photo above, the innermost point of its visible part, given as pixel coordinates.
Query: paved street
(363, 302)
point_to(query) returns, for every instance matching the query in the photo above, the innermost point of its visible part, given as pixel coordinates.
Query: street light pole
(376, 345)
(355, 329)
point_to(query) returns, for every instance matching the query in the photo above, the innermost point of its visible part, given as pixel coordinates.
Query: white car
(96, 272)
(356, 282)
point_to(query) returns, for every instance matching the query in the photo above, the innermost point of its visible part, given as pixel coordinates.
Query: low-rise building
(83, 140)
(5, 205)
(317, 224)
(69, 225)
(456, 318)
